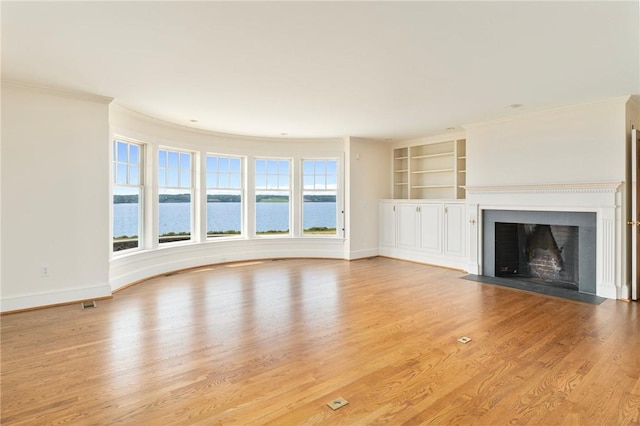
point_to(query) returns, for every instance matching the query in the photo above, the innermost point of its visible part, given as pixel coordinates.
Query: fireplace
(543, 247)
(593, 210)
(547, 254)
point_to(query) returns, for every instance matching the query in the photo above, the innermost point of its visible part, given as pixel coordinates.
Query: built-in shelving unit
(461, 168)
(401, 173)
(430, 171)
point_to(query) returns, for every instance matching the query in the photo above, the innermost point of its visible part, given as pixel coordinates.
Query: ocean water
(174, 217)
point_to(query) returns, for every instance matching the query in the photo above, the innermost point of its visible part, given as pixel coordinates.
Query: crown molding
(125, 111)
(622, 100)
(67, 93)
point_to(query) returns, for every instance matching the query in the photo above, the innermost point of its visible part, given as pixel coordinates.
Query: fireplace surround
(572, 261)
(599, 204)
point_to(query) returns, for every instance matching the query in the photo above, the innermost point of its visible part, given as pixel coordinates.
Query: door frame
(634, 213)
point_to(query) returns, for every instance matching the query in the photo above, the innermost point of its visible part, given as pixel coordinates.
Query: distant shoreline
(223, 198)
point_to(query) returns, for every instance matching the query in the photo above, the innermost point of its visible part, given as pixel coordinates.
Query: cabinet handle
(446, 210)
(394, 208)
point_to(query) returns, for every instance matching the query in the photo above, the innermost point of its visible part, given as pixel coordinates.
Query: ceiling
(384, 70)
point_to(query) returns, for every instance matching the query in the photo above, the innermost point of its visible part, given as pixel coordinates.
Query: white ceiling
(323, 69)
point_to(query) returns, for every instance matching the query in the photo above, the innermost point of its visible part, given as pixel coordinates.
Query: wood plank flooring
(272, 342)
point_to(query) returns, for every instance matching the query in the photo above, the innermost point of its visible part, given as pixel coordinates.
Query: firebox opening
(546, 254)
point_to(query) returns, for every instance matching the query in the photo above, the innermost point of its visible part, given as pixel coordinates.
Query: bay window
(127, 195)
(319, 196)
(273, 195)
(175, 195)
(224, 196)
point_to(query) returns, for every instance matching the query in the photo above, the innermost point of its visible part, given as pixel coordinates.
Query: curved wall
(130, 267)
(55, 220)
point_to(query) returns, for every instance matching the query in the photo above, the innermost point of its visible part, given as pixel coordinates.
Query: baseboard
(38, 300)
(146, 264)
(361, 254)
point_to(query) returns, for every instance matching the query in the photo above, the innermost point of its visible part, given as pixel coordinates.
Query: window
(224, 196)
(273, 193)
(127, 195)
(175, 195)
(319, 192)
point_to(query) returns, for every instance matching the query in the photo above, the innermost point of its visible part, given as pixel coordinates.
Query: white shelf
(417, 172)
(429, 171)
(431, 186)
(442, 154)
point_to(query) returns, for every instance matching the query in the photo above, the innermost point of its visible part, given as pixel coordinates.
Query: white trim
(547, 111)
(36, 300)
(145, 264)
(67, 93)
(603, 198)
(363, 254)
(546, 188)
(204, 132)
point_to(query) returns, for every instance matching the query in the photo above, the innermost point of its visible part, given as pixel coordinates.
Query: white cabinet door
(431, 227)
(454, 229)
(408, 226)
(387, 234)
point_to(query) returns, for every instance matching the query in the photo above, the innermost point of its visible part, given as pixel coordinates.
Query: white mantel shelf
(546, 188)
(602, 198)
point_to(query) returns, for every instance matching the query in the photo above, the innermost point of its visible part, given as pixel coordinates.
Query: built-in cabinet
(387, 215)
(430, 171)
(424, 231)
(425, 220)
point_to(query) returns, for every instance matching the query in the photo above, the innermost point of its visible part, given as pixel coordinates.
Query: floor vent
(88, 304)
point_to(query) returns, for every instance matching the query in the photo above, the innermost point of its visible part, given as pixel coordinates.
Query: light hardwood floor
(273, 341)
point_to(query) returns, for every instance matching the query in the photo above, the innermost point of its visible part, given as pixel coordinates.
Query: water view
(221, 217)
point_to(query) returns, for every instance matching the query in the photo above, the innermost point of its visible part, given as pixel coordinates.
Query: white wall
(584, 143)
(369, 170)
(55, 203)
(584, 146)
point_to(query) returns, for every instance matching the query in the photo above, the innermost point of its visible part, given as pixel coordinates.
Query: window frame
(338, 192)
(241, 190)
(191, 189)
(140, 186)
(289, 191)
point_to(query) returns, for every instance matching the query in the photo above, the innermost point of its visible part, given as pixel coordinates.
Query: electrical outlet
(45, 271)
(464, 339)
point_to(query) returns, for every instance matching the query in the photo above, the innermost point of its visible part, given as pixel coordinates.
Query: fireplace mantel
(593, 187)
(602, 198)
